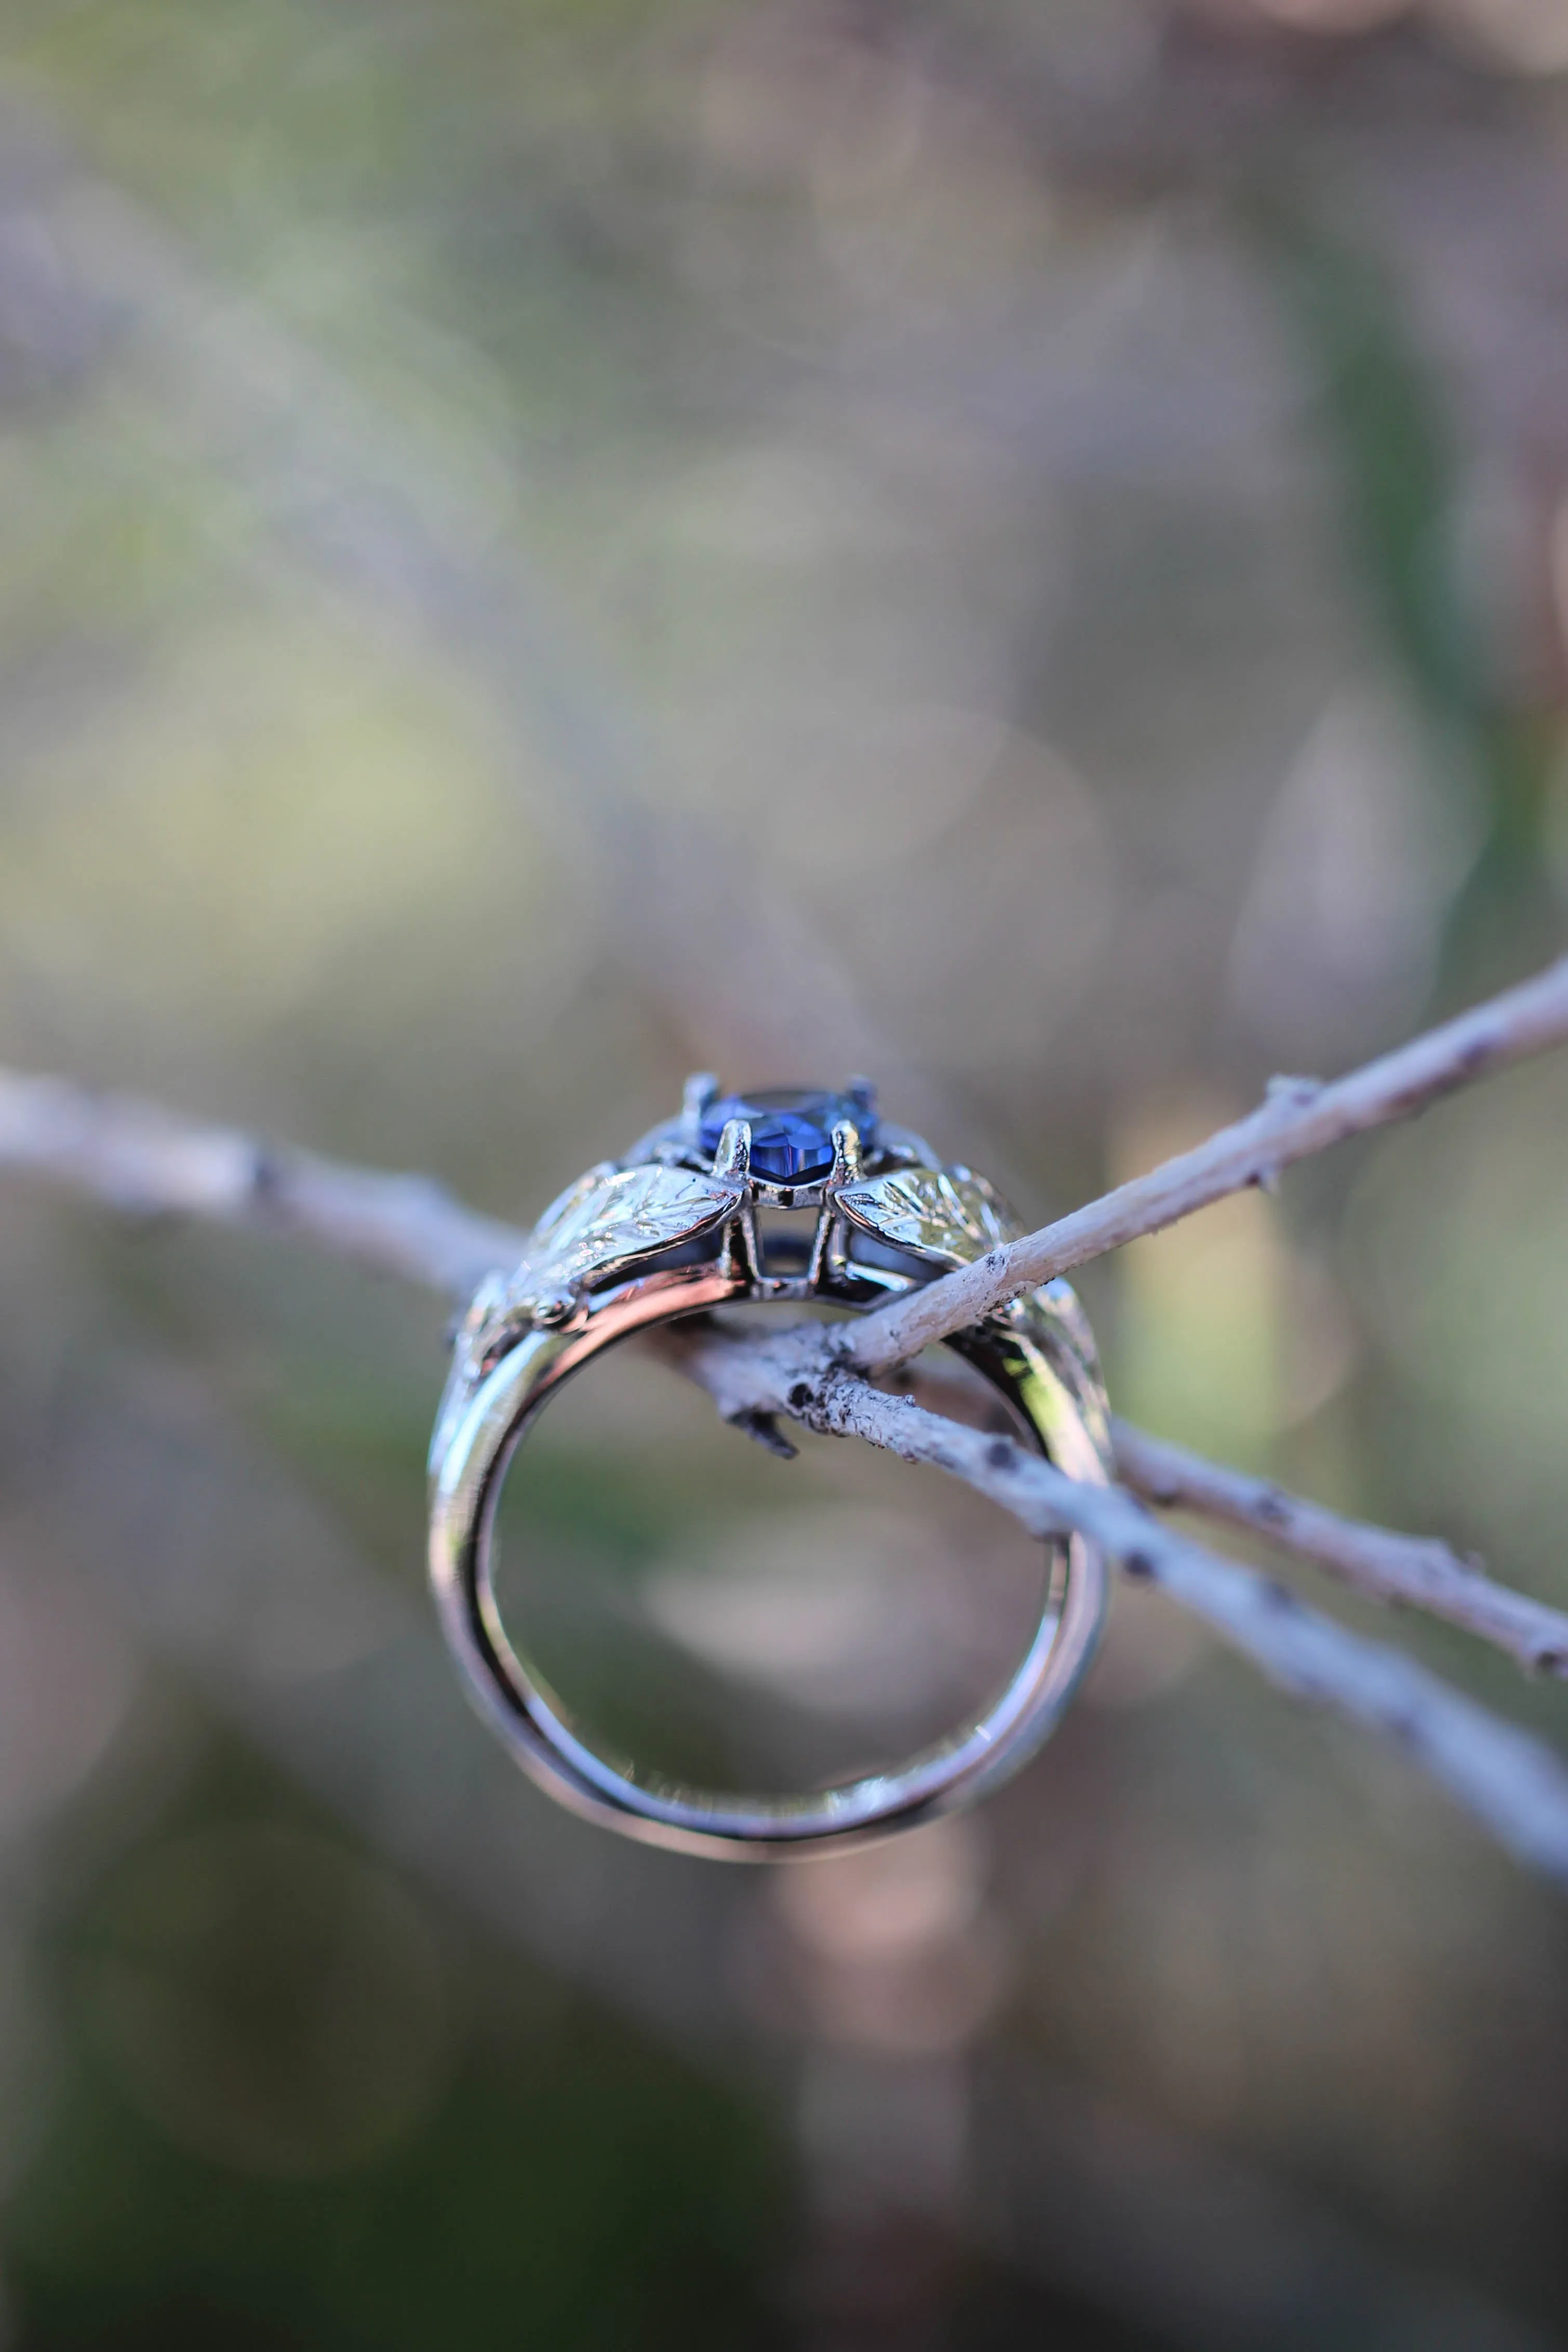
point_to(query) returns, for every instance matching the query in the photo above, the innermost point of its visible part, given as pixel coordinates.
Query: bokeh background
(549, 544)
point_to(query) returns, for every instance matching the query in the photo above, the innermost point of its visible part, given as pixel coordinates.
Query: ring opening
(748, 1638)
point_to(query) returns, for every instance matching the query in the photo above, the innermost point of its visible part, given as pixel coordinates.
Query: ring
(674, 1229)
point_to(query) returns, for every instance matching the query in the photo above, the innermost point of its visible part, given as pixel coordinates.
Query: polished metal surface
(670, 1232)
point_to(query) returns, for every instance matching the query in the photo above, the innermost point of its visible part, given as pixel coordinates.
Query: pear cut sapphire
(792, 1130)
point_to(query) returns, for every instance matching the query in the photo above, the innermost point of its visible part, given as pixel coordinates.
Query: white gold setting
(674, 1230)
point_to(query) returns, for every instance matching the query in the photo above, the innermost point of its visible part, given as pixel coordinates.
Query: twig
(1416, 1571)
(151, 1163)
(1508, 1779)
(1300, 1117)
(143, 1160)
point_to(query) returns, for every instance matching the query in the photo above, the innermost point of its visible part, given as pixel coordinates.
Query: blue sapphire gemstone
(792, 1130)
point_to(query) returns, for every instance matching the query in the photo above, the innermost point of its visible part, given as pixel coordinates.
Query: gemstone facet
(792, 1130)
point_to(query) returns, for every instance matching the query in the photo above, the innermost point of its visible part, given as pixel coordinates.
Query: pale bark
(153, 1164)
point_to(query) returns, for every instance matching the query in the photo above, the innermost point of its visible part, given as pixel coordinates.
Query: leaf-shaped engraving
(949, 1215)
(566, 1206)
(608, 1220)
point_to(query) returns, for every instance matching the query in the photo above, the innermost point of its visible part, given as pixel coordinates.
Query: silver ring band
(661, 1236)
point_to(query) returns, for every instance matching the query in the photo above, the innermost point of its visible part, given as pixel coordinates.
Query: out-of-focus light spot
(1337, 934)
(774, 82)
(779, 504)
(881, 780)
(926, 198)
(782, 1631)
(933, 2000)
(889, 1899)
(67, 1680)
(894, 1947)
(873, 139)
(987, 932)
(850, 1610)
(1321, 1338)
(1458, 1240)
(1335, 15)
(1199, 1335)
(1530, 36)
(1226, 1335)
(965, 216)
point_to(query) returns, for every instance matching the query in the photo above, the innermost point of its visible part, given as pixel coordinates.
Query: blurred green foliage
(539, 2175)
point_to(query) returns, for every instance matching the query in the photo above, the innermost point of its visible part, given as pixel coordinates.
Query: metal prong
(827, 1244)
(862, 1092)
(700, 1089)
(733, 1157)
(846, 1155)
(553, 1310)
(741, 1250)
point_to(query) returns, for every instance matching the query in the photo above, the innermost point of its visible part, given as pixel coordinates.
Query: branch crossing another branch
(153, 1164)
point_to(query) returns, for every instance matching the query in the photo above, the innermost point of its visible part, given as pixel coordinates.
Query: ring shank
(531, 1720)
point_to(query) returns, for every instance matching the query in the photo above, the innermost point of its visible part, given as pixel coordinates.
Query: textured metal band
(512, 1358)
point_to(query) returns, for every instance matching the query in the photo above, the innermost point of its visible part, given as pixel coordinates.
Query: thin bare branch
(144, 1161)
(1413, 1572)
(1300, 1117)
(150, 1163)
(1510, 1781)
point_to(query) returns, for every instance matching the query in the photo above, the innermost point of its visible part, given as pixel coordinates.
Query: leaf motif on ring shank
(953, 1217)
(602, 1224)
(608, 1220)
(949, 1215)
